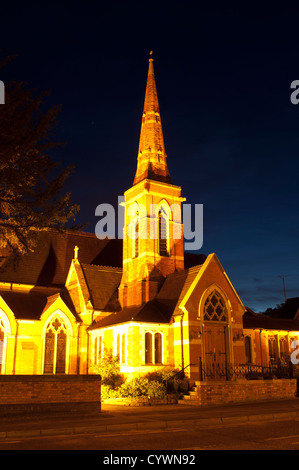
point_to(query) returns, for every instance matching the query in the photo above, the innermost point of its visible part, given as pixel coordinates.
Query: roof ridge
(112, 268)
(185, 271)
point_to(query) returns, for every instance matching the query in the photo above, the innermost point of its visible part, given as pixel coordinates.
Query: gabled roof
(31, 305)
(102, 283)
(154, 311)
(49, 263)
(159, 310)
(176, 286)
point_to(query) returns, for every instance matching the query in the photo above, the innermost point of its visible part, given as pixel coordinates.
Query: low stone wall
(43, 393)
(214, 393)
(142, 401)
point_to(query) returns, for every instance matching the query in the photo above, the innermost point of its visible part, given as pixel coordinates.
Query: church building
(142, 297)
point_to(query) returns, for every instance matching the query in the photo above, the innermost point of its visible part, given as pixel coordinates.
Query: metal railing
(225, 371)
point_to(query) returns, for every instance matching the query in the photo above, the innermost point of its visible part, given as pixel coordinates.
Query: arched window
(273, 348)
(121, 347)
(215, 308)
(118, 346)
(158, 348)
(153, 348)
(97, 349)
(55, 347)
(163, 233)
(248, 354)
(148, 348)
(284, 351)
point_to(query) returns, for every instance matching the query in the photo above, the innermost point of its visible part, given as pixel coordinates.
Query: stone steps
(190, 398)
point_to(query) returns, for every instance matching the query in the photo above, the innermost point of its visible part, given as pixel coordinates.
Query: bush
(171, 379)
(109, 369)
(108, 392)
(161, 375)
(134, 388)
(142, 387)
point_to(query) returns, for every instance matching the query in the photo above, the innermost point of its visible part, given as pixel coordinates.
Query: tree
(31, 184)
(109, 369)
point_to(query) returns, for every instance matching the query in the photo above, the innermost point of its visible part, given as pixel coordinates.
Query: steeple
(153, 242)
(151, 153)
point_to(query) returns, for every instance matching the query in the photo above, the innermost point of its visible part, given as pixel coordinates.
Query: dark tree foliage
(31, 184)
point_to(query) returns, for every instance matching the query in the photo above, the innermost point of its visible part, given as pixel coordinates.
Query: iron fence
(225, 371)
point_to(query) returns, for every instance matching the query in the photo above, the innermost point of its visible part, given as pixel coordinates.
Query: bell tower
(153, 244)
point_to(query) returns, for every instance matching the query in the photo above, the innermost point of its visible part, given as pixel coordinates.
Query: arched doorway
(215, 316)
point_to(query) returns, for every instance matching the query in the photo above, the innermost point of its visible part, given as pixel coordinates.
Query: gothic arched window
(55, 347)
(153, 348)
(121, 347)
(158, 348)
(148, 348)
(97, 349)
(215, 308)
(248, 354)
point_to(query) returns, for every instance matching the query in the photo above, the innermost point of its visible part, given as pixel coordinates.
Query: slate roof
(101, 260)
(176, 286)
(102, 283)
(154, 311)
(49, 263)
(158, 310)
(30, 305)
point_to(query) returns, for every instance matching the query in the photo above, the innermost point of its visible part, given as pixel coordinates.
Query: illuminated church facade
(142, 297)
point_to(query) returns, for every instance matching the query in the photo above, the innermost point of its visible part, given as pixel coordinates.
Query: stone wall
(43, 393)
(214, 393)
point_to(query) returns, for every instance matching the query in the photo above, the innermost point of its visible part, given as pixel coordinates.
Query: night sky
(223, 75)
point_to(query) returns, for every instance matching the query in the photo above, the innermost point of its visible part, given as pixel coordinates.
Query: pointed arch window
(163, 233)
(248, 350)
(148, 348)
(55, 347)
(158, 348)
(121, 347)
(153, 347)
(97, 349)
(215, 308)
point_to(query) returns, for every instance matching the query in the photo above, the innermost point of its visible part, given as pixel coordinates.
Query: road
(271, 435)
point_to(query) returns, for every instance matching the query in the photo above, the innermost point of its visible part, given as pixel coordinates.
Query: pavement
(116, 418)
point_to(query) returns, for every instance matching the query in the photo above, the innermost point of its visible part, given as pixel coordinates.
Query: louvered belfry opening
(163, 235)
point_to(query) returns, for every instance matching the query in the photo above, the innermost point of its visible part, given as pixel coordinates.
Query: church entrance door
(215, 364)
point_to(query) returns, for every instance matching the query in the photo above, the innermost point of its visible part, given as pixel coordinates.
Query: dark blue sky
(223, 75)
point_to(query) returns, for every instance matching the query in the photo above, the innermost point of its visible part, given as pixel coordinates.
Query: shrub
(108, 392)
(109, 369)
(156, 389)
(161, 375)
(134, 388)
(171, 379)
(142, 387)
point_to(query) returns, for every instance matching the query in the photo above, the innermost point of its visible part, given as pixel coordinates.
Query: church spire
(151, 153)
